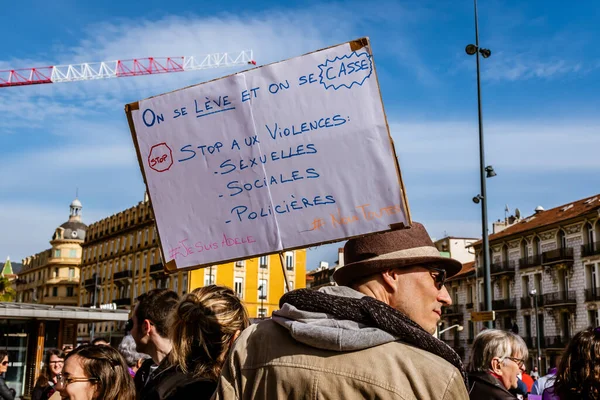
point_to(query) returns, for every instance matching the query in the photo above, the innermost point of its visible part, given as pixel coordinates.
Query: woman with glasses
(5, 392)
(45, 385)
(578, 374)
(496, 361)
(95, 373)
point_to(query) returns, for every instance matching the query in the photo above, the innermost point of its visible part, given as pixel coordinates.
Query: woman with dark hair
(5, 392)
(46, 382)
(578, 374)
(95, 373)
(203, 327)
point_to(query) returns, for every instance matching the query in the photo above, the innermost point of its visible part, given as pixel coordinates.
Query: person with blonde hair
(203, 327)
(95, 373)
(496, 361)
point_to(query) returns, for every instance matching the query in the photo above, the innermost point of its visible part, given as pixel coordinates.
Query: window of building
(73, 253)
(240, 264)
(129, 262)
(54, 291)
(289, 261)
(263, 262)
(176, 284)
(594, 317)
(139, 238)
(184, 287)
(137, 265)
(146, 234)
(209, 277)
(262, 289)
(70, 291)
(262, 312)
(55, 275)
(144, 263)
(57, 253)
(135, 293)
(239, 287)
(110, 247)
(291, 283)
(124, 243)
(71, 272)
(143, 287)
(131, 241)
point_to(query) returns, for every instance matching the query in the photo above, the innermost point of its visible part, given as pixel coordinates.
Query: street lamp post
(537, 329)
(457, 326)
(485, 172)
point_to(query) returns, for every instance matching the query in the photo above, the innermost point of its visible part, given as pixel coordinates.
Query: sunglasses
(439, 276)
(4, 362)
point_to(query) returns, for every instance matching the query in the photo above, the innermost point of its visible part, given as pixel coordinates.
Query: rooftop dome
(73, 229)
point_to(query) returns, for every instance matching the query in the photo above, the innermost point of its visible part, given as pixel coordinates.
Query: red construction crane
(121, 68)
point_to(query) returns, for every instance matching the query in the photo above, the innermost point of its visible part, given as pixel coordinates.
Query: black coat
(5, 393)
(170, 383)
(485, 386)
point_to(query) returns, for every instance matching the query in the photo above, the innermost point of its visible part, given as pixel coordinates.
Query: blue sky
(540, 97)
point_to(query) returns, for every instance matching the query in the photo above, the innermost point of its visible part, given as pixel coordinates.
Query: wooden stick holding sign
(276, 158)
(285, 277)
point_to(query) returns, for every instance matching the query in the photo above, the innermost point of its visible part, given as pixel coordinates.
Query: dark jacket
(42, 392)
(170, 383)
(483, 385)
(5, 393)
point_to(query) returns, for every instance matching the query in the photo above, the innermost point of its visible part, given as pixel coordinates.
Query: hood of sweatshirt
(323, 331)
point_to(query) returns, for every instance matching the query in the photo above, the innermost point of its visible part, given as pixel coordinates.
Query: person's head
(96, 373)
(535, 369)
(149, 319)
(204, 325)
(500, 353)
(578, 374)
(3, 361)
(402, 268)
(127, 348)
(100, 341)
(67, 349)
(53, 365)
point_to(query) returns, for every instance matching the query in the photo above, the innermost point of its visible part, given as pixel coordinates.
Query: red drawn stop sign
(160, 158)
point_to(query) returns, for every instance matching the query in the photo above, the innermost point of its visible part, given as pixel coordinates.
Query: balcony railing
(560, 255)
(557, 342)
(454, 309)
(560, 298)
(526, 302)
(470, 306)
(125, 301)
(122, 275)
(504, 267)
(89, 282)
(156, 268)
(504, 304)
(590, 249)
(530, 262)
(592, 294)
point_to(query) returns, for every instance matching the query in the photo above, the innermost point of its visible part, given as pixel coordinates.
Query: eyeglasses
(57, 362)
(64, 381)
(439, 276)
(4, 362)
(519, 361)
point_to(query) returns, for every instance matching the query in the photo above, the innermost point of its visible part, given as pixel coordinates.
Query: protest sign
(283, 156)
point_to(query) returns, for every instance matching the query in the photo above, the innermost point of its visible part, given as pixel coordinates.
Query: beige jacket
(266, 362)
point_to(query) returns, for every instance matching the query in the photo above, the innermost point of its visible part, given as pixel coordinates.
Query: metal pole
(92, 332)
(484, 224)
(537, 328)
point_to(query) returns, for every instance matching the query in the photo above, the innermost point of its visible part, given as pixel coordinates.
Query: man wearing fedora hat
(370, 337)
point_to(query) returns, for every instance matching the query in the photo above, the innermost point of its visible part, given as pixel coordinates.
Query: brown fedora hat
(368, 255)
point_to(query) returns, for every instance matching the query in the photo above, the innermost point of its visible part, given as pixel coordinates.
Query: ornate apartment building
(551, 260)
(52, 276)
(121, 260)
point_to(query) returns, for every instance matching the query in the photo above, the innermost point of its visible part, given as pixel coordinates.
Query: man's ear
(146, 327)
(390, 278)
(496, 366)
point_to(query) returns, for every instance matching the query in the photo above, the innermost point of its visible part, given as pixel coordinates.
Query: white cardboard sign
(284, 156)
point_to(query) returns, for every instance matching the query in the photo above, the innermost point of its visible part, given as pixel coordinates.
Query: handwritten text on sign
(283, 156)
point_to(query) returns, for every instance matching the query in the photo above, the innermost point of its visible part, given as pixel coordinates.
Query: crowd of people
(370, 337)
